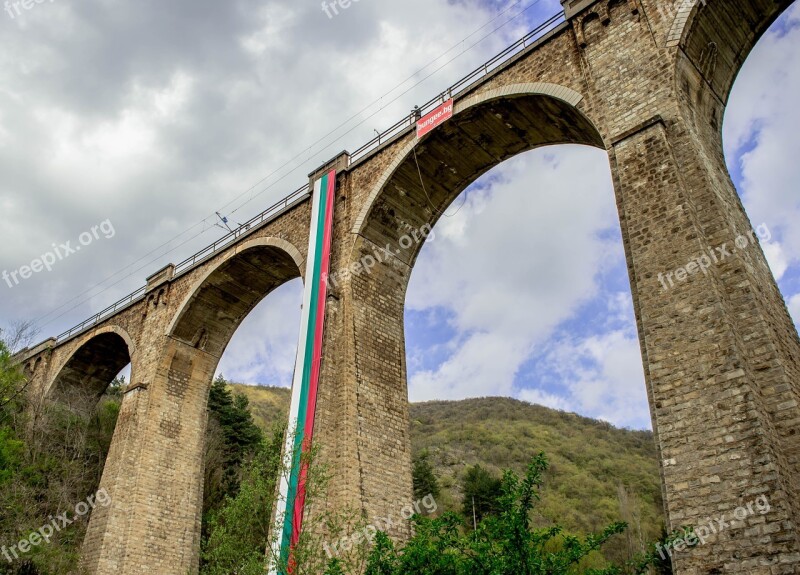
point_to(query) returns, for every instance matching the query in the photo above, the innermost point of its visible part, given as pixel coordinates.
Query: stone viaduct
(645, 80)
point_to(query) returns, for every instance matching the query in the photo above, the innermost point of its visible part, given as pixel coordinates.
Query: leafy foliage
(233, 438)
(239, 529)
(598, 474)
(589, 461)
(12, 382)
(503, 544)
(51, 458)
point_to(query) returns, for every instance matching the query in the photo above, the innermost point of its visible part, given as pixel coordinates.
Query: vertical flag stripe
(291, 528)
(290, 505)
(316, 362)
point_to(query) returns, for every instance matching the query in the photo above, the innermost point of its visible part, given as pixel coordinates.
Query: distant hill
(598, 473)
(269, 405)
(590, 461)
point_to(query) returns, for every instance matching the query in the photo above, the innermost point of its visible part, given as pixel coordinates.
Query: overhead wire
(378, 100)
(434, 208)
(290, 161)
(534, 3)
(375, 113)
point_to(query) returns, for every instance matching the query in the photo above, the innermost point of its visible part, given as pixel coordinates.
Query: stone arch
(562, 93)
(170, 406)
(487, 129)
(225, 294)
(716, 36)
(711, 40)
(86, 373)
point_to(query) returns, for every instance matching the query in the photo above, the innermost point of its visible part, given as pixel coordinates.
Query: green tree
(117, 388)
(425, 482)
(50, 458)
(239, 529)
(233, 438)
(12, 383)
(12, 449)
(481, 494)
(233, 413)
(11, 455)
(504, 543)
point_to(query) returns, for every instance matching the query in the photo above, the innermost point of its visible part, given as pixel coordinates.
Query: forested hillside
(598, 473)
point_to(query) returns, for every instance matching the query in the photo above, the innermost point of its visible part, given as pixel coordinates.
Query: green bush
(504, 543)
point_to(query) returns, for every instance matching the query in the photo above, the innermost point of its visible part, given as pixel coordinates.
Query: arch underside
(91, 369)
(229, 293)
(451, 158)
(720, 35)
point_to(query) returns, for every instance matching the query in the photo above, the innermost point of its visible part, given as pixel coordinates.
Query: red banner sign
(436, 118)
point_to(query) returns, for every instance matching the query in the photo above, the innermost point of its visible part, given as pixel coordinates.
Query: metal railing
(453, 91)
(289, 201)
(111, 310)
(302, 194)
(294, 198)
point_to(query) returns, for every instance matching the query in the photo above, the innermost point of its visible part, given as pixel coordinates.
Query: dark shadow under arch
(226, 295)
(716, 36)
(90, 370)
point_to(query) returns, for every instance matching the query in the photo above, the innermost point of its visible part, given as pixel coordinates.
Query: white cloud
(762, 134)
(107, 112)
(518, 259)
(483, 364)
(551, 400)
(115, 111)
(776, 258)
(600, 376)
(794, 308)
(263, 349)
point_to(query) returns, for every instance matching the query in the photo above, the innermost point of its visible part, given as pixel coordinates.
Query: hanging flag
(291, 501)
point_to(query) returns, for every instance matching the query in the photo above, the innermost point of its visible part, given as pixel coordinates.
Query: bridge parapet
(573, 7)
(161, 277)
(24, 355)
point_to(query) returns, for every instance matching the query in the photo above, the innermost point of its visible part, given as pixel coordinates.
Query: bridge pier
(154, 471)
(720, 353)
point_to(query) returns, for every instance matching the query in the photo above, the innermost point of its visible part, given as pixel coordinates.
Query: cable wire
(288, 162)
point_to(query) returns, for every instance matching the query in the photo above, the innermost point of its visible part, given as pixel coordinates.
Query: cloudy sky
(141, 120)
